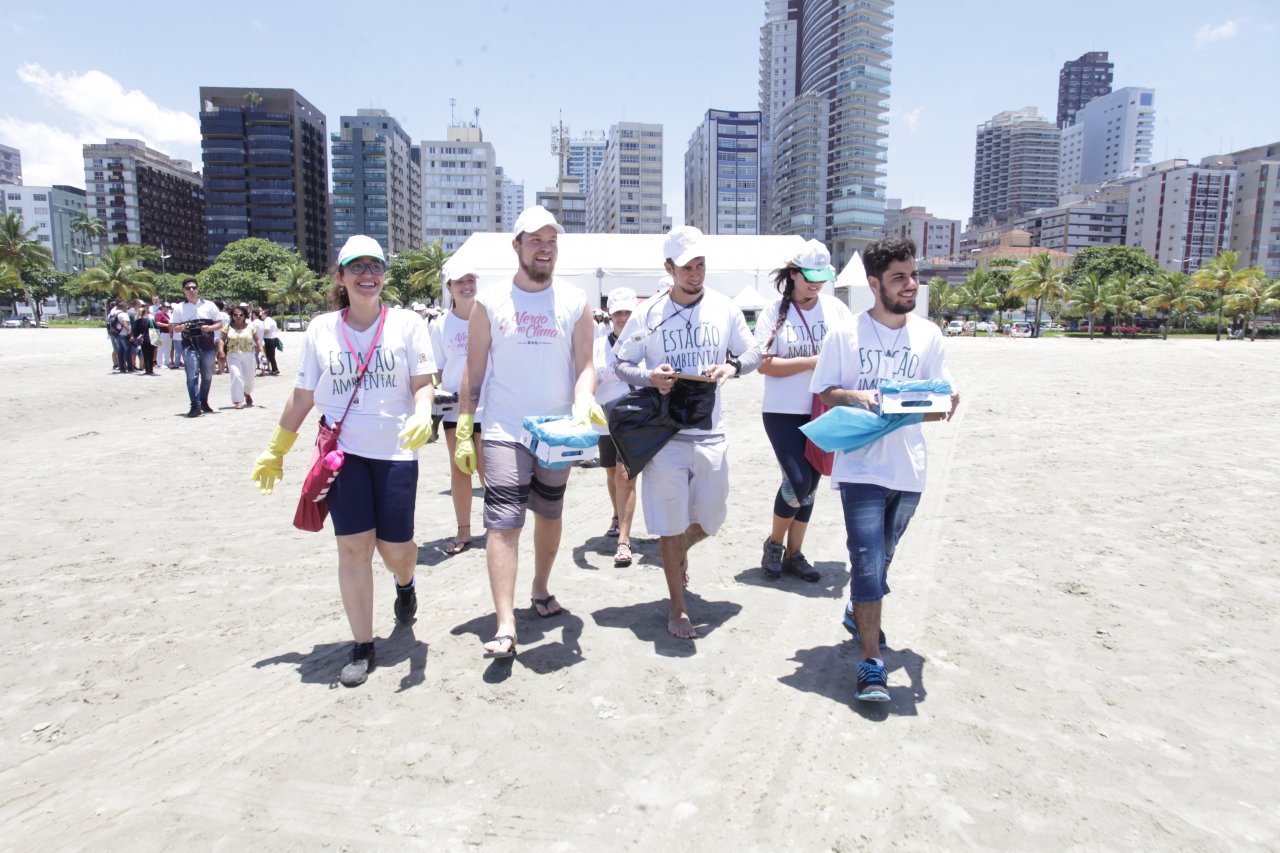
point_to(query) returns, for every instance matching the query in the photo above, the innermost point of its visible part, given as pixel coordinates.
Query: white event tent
(737, 266)
(852, 287)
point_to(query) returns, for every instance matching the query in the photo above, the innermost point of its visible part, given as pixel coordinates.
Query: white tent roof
(749, 299)
(858, 293)
(597, 263)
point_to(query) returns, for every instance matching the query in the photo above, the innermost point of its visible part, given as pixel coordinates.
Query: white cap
(814, 261)
(360, 246)
(456, 268)
(683, 244)
(418, 306)
(534, 219)
(622, 299)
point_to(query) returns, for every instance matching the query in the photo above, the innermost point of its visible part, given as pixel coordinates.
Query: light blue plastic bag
(851, 427)
(583, 439)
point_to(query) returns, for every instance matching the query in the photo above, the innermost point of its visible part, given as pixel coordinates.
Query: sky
(67, 77)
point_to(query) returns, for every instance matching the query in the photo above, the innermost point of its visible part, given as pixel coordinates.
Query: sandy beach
(1083, 632)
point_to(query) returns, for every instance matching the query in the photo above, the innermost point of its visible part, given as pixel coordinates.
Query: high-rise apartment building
(583, 157)
(1255, 220)
(722, 174)
(800, 168)
(50, 211)
(626, 195)
(1111, 138)
(1100, 218)
(146, 197)
(512, 202)
(934, 237)
(265, 171)
(461, 193)
(1180, 214)
(567, 202)
(842, 52)
(10, 166)
(779, 49)
(1015, 165)
(377, 182)
(1080, 81)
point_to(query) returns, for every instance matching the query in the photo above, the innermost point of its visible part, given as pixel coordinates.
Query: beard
(901, 305)
(537, 276)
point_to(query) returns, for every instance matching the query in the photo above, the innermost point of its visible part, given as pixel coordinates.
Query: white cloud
(1209, 33)
(908, 119)
(49, 155)
(97, 107)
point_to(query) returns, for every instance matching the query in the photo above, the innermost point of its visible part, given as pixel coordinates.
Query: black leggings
(269, 349)
(788, 446)
(148, 356)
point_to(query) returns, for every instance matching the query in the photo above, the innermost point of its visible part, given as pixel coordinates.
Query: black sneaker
(406, 603)
(873, 682)
(194, 412)
(205, 407)
(771, 561)
(357, 671)
(798, 565)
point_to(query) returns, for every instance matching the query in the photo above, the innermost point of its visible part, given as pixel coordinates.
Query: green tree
(417, 273)
(1038, 279)
(243, 272)
(1088, 298)
(295, 285)
(941, 299)
(978, 293)
(116, 275)
(24, 254)
(1121, 297)
(1107, 261)
(1217, 276)
(1171, 293)
(1249, 297)
(88, 226)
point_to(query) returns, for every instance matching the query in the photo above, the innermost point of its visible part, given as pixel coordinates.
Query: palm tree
(1038, 279)
(1218, 275)
(296, 284)
(941, 299)
(978, 293)
(1121, 296)
(426, 270)
(1089, 297)
(1171, 292)
(1249, 297)
(20, 251)
(88, 226)
(253, 100)
(118, 275)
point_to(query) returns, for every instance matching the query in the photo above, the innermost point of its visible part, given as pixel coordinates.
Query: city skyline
(67, 86)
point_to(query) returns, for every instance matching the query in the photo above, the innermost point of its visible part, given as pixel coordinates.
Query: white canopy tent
(597, 263)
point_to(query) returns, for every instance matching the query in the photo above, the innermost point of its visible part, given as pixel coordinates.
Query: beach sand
(1083, 634)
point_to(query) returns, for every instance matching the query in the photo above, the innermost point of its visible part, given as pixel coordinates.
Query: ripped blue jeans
(874, 520)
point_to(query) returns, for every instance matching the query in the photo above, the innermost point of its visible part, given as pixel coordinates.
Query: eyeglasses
(191, 287)
(374, 267)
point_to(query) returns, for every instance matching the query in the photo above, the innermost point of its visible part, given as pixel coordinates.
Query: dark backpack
(113, 324)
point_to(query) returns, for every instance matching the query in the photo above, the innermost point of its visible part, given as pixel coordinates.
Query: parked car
(294, 324)
(955, 327)
(13, 322)
(1020, 330)
(986, 326)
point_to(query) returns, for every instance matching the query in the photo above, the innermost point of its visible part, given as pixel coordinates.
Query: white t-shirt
(790, 394)
(608, 386)
(258, 328)
(689, 338)
(531, 369)
(859, 354)
(269, 328)
(327, 366)
(187, 312)
(448, 334)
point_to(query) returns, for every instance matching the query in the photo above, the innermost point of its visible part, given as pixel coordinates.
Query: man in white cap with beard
(688, 329)
(528, 353)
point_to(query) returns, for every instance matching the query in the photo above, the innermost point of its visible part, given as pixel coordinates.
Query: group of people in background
(533, 347)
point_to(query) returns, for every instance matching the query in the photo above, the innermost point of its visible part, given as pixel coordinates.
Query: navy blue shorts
(375, 494)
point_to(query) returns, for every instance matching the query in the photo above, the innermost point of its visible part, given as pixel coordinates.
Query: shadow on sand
(536, 650)
(322, 664)
(835, 576)
(832, 671)
(648, 621)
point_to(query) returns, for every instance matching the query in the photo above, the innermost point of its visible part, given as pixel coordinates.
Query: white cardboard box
(914, 403)
(556, 454)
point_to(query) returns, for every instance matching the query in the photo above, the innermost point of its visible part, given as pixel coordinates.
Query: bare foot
(680, 626)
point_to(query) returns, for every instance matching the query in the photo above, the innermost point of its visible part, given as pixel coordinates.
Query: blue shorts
(874, 520)
(375, 494)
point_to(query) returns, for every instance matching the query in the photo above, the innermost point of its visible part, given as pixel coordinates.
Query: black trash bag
(642, 421)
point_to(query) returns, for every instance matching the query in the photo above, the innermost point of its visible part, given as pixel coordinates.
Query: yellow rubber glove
(416, 432)
(587, 412)
(270, 465)
(464, 452)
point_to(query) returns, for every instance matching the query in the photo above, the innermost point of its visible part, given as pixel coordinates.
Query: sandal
(545, 604)
(455, 545)
(614, 531)
(508, 652)
(622, 558)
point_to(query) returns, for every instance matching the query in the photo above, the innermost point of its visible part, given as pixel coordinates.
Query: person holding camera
(196, 320)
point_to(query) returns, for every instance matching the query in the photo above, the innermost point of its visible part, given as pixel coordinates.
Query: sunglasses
(374, 267)
(190, 287)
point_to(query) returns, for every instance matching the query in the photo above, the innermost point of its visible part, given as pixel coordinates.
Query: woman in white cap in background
(790, 332)
(449, 344)
(372, 500)
(622, 491)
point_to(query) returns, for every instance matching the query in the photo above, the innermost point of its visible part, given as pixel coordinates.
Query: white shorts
(686, 483)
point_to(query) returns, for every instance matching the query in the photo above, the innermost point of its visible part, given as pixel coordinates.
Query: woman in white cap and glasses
(790, 332)
(449, 344)
(622, 492)
(386, 352)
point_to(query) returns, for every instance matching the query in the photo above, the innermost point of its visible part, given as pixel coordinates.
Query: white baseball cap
(360, 246)
(683, 244)
(622, 299)
(814, 261)
(534, 219)
(456, 269)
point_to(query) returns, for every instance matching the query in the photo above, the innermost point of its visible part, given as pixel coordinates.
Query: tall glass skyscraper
(722, 174)
(377, 182)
